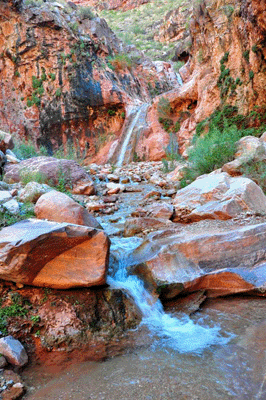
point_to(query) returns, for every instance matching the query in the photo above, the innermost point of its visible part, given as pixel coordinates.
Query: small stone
(12, 207)
(3, 362)
(13, 351)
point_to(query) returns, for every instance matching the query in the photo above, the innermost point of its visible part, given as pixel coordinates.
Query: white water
(181, 334)
(179, 79)
(129, 133)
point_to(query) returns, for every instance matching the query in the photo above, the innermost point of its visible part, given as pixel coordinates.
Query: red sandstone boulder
(58, 207)
(220, 262)
(249, 149)
(50, 254)
(52, 170)
(218, 196)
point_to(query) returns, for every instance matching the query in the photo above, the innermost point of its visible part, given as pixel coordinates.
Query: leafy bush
(164, 108)
(257, 172)
(120, 62)
(6, 218)
(217, 147)
(214, 149)
(17, 308)
(27, 176)
(85, 12)
(24, 150)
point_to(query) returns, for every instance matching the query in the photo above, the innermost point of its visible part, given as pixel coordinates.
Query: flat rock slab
(221, 263)
(13, 351)
(55, 255)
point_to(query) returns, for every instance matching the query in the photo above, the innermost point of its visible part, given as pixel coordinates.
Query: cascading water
(180, 334)
(179, 79)
(138, 111)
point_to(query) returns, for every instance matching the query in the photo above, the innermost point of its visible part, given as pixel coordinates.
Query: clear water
(185, 359)
(181, 334)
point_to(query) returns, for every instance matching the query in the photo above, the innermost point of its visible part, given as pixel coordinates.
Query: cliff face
(226, 67)
(113, 4)
(64, 80)
(67, 79)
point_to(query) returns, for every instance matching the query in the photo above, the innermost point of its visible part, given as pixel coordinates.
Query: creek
(218, 353)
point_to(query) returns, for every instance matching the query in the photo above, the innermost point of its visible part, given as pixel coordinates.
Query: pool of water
(232, 370)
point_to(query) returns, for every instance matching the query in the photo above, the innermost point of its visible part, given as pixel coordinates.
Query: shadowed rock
(50, 254)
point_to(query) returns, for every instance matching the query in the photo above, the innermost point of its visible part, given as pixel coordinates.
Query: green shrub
(251, 75)
(52, 76)
(214, 149)
(257, 172)
(85, 12)
(18, 308)
(27, 176)
(24, 150)
(218, 145)
(164, 108)
(120, 62)
(6, 218)
(246, 55)
(58, 92)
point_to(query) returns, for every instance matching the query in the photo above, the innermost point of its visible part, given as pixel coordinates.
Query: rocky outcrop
(218, 196)
(66, 173)
(225, 67)
(89, 323)
(50, 254)
(249, 150)
(112, 4)
(221, 262)
(66, 78)
(58, 207)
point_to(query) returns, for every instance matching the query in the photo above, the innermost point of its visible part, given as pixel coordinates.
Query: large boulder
(55, 255)
(51, 170)
(222, 263)
(218, 196)
(58, 207)
(249, 149)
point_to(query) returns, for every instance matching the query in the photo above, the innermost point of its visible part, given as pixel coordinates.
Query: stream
(218, 353)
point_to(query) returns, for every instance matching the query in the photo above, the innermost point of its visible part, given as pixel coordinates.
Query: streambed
(235, 370)
(218, 353)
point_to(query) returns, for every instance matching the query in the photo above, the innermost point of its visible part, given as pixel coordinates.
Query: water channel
(218, 353)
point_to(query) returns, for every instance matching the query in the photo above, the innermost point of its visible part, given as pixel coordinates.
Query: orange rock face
(57, 85)
(50, 254)
(59, 207)
(221, 263)
(236, 28)
(112, 4)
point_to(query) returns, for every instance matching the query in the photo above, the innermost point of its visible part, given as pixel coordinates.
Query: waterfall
(132, 128)
(181, 334)
(179, 79)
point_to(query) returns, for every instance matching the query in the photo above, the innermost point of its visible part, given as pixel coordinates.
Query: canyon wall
(66, 78)
(226, 66)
